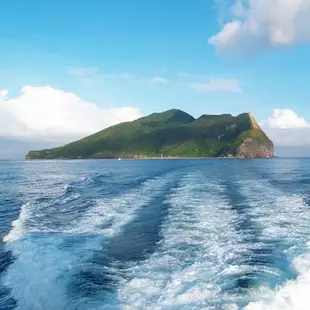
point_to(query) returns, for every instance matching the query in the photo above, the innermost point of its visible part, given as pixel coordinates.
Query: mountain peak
(174, 116)
(253, 121)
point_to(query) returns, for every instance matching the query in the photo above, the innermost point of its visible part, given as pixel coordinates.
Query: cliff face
(252, 148)
(253, 122)
(255, 144)
(172, 133)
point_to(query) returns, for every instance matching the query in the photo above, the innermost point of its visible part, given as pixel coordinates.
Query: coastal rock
(253, 148)
(256, 144)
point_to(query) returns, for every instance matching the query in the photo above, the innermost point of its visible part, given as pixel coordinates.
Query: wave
(43, 213)
(17, 225)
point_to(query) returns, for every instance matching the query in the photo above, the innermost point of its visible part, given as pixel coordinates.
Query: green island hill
(170, 134)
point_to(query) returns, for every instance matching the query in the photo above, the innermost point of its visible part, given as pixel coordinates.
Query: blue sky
(156, 55)
(42, 40)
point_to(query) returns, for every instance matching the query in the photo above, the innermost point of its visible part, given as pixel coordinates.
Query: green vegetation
(173, 133)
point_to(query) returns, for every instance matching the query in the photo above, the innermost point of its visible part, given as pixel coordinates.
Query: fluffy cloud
(3, 93)
(49, 113)
(285, 119)
(286, 128)
(217, 85)
(257, 23)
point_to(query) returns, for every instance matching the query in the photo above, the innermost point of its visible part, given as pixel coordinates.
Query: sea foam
(199, 243)
(18, 225)
(284, 218)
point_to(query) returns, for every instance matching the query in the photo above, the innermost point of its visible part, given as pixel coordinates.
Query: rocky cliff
(252, 148)
(256, 144)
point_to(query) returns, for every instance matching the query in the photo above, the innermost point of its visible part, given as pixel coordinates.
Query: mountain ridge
(172, 133)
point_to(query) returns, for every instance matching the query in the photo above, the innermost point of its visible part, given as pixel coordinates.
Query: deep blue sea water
(155, 234)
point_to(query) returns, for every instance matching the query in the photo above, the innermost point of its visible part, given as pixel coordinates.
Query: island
(170, 134)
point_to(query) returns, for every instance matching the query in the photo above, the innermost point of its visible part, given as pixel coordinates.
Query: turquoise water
(155, 234)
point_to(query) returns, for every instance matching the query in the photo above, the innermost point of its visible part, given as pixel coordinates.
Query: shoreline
(147, 158)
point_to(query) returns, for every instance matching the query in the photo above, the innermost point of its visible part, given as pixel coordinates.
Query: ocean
(212, 234)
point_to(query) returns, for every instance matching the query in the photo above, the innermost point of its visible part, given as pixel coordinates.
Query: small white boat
(119, 158)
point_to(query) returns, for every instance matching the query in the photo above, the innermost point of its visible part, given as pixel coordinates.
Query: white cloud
(257, 23)
(126, 76)
(186, 75)
(3, 93)
(86, 72)
(284, 119)
(229, 85)
(83, 71)
(153, 80)
(119, 76)
(91, 75)
(49, 113)
(286, 128)
(158, 80)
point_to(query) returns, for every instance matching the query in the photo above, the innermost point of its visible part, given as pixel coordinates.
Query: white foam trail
(18, 225)
(279, 214)
(199, 243)
(286, 218)
(110, 214)
(294, 295)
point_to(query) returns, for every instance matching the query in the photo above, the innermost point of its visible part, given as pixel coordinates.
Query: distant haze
(11, 149)
(293, 151)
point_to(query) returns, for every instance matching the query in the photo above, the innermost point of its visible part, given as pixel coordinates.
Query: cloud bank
(286, 128)
(264, 23)
(53, 114)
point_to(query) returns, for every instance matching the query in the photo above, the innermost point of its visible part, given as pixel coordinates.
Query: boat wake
(178, 237)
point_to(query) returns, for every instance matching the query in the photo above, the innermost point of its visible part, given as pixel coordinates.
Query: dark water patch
(140, 237)
(290, 180)
(9, 211)
(7, 302)
(6, 258)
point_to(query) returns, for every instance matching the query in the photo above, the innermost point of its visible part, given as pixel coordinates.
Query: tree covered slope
(172, 133)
